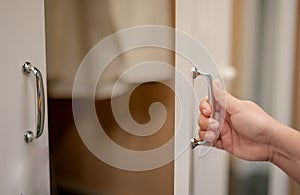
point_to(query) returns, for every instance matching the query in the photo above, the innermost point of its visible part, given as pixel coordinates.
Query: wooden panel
(73, 28)
(74, 169)
(296, 121)
(295, 188)
(236, 53)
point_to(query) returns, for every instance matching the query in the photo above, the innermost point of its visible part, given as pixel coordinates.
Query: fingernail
(217, 84)
(204, 111)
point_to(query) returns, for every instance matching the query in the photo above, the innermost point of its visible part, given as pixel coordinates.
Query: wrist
(281, 145)
(277, 145)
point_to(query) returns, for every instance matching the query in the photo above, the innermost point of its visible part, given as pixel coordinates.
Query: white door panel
(209, 22)
(24, 167)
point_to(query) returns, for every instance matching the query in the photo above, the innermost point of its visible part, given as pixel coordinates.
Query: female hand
(247, 130)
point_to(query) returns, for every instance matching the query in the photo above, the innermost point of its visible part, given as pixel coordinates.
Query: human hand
(247, 130)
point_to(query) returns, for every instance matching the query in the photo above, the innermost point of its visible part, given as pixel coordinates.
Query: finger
(201, 134)
(203, 122)
(220, 94)
(206, 123)
(209, 136)
(211, 133)
(220, 117)
(204, 107)
(217, 106)
(233, 105)
(217, 116)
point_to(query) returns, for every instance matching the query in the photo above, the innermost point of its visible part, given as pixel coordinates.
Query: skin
(249, 133)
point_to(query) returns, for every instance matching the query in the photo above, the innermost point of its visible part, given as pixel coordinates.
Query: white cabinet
(24, 167)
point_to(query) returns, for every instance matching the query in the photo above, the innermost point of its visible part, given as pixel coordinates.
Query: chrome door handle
(211, 100)
(40, 102)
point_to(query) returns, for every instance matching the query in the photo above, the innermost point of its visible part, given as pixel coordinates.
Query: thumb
(225, 99)
(233, 105)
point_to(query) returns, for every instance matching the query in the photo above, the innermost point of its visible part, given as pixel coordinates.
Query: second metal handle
(211, 99)
(40, 102)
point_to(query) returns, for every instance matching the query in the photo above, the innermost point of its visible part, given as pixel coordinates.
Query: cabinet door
(200, 170)
(24, 166)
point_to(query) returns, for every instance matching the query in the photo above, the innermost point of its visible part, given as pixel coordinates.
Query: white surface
(182, 164)
(209, 21)
(24, 167)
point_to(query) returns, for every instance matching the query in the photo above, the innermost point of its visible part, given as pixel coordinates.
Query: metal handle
(40, 102)
(211, 100)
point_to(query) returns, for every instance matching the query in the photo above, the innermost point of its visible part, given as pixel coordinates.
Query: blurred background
(256, 45)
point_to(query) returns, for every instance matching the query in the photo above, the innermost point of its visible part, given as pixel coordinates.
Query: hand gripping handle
(211, 99)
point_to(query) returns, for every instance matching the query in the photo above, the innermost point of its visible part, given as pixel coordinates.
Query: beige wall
(73, 27)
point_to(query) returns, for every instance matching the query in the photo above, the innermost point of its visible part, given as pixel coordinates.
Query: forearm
(285, 150)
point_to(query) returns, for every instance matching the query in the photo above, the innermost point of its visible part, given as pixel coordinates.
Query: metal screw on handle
(40, 102)
(211, 100)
